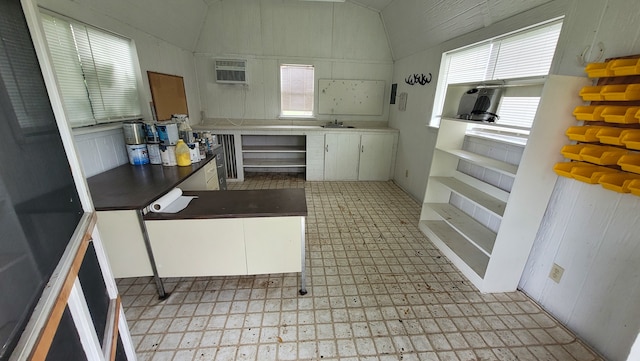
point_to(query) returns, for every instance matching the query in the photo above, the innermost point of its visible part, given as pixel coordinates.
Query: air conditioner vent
(231, 71)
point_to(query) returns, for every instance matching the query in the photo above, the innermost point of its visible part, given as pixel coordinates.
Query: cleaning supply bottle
(183, 155)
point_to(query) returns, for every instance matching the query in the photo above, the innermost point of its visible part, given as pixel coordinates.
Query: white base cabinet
(205, 179)
(356, 156)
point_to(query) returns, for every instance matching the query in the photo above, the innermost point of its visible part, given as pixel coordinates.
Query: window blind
(95, 72)
(296, 90)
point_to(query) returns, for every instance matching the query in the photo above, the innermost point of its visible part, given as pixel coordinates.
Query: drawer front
(212, 184)
(211, 172)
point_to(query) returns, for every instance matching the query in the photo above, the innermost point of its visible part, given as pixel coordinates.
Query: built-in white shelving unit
(493, 257)
(274, 153)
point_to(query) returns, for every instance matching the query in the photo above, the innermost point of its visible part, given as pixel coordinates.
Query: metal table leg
(303, 279)
(159, 285)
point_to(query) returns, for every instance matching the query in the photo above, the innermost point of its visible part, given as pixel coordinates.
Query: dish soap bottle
(183, 156)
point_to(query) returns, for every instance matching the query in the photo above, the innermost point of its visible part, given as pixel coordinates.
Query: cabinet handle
(362, 148)
(326, 148)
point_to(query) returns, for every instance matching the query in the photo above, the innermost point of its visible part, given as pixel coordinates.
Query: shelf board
(475, 122)
(486, 162)
(483, 199)
(459, 245)
(479, 235)
(273, 163)
(274, 149)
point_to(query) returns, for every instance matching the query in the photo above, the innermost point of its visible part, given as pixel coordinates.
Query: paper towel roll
(162, 202)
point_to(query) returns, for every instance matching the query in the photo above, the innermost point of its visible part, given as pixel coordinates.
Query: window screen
(296, 90)
(95, 71)
(527, 53)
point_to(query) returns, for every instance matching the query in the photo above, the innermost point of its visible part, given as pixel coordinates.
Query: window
(95, 72)
(296, 90)
(523, 54)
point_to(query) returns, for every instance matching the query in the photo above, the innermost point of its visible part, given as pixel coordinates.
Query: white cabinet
(376, 156)
(492, 255)
(205, 179)
(358, 156)
(341, 157)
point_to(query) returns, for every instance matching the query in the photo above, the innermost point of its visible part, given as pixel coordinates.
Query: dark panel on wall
(95, 290)
(66, 343)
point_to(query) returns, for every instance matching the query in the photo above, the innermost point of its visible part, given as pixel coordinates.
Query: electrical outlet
(406, 173)
(556, 273)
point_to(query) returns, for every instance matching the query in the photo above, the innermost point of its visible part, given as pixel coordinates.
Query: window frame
(311, 115)
(488, 77)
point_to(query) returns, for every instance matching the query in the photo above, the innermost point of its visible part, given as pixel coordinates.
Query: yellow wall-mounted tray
(620, 114)
(621, 92)
(630, 163)
(583, 133)
(610, 135)
(624, 67)
(598, 70)
(591, 93)
(589, 112)
(564, 169)
(634, 187)
(630, 138)
(590, 173)
(601, 155)
(573, 151)
(618, 182)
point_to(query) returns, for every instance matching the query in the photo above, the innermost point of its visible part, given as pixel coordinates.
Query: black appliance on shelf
(480, 104)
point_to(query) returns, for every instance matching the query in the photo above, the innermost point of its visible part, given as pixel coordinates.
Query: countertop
(240, 204)
(274, 129)
(135, 186)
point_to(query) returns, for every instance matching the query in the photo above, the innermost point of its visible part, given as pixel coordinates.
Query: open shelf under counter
(476, 234)
(274, 149)
(274, 163)
(482, 199)
(490, 163)
(469, 259)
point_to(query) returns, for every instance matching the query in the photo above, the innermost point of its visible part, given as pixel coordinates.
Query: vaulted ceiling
(411, 25)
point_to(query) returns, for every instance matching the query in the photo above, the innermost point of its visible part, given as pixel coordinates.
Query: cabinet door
(341, 156)
(376, 152)
(273, 244)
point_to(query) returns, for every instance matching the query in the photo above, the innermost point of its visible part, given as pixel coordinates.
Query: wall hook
(582, 60)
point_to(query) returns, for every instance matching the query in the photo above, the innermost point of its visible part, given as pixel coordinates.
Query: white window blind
(527, 53)
(296, 90)
(95, 72)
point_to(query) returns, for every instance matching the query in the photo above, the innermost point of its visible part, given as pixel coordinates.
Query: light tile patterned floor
(378, 290)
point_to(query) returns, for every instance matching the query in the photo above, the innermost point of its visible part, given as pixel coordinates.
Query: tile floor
(378, 290)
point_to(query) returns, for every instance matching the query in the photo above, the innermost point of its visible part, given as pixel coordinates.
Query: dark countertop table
(130, 187)
(240, 204)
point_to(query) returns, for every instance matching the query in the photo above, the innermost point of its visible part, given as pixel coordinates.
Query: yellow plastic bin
(617, 182)
(602, 155)
(591, 93)
(621, 92)
(630, 138)
(620, 114)
(590, 173)
(630, 163)
(589, 112)
(611, 135)
(634, 187)
(564, 169)
(598, 70)
(584, 133)
(573, 151)
(624, 67)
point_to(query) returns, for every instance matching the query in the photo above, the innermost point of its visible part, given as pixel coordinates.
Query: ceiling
(411, 25)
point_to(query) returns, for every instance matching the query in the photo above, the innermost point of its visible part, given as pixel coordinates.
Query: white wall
(342, 41)
(591, 232)
(99, 150)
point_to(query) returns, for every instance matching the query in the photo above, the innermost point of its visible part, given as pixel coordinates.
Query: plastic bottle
(183, 156)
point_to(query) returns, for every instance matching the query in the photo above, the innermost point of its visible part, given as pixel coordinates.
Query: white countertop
(288, 129)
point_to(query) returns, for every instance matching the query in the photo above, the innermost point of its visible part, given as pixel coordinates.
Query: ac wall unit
(231, 71)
